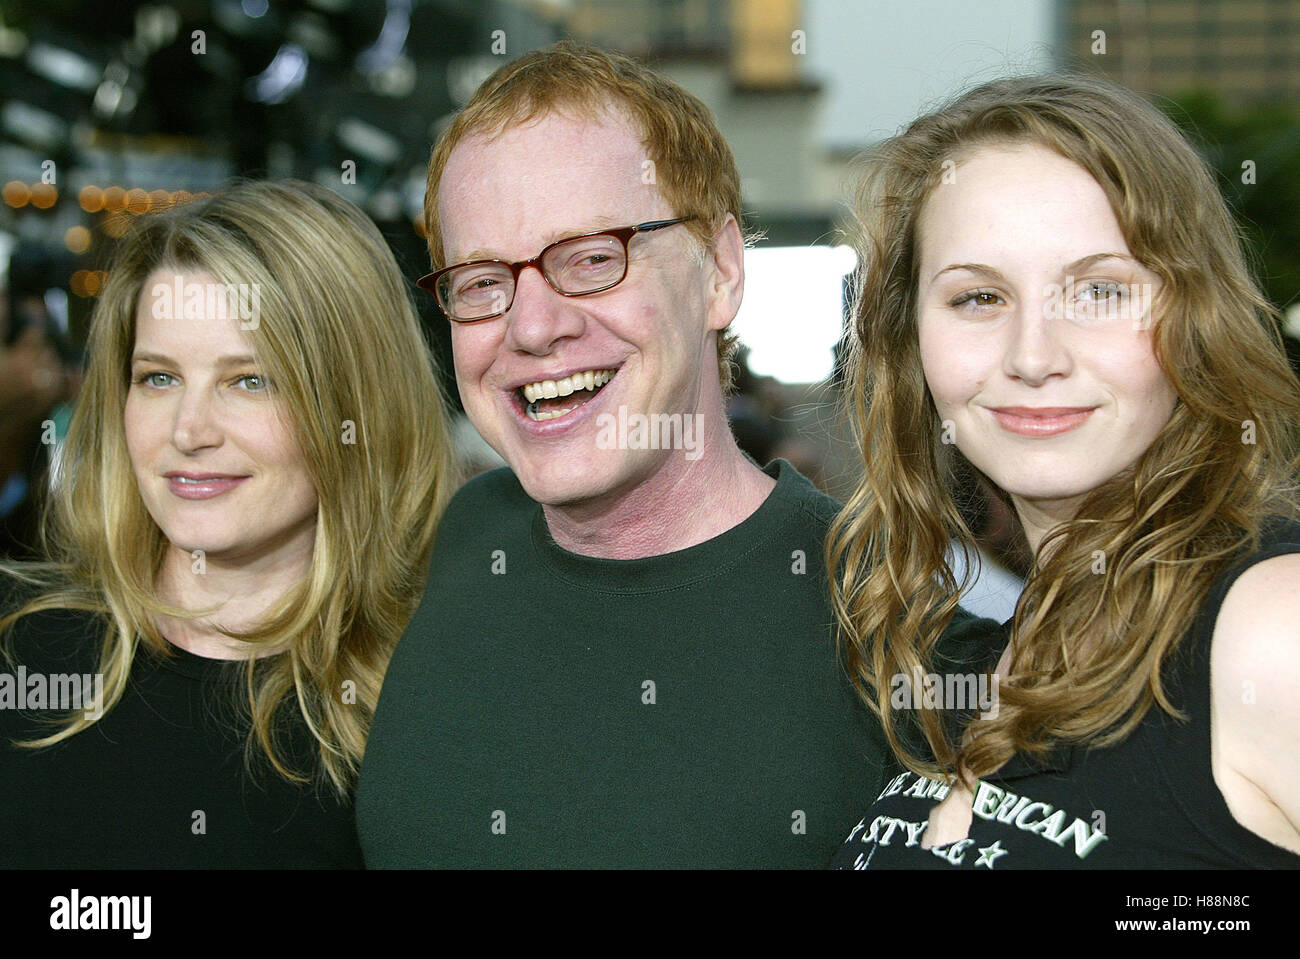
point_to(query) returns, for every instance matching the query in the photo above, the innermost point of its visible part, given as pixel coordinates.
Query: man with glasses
(624, 654)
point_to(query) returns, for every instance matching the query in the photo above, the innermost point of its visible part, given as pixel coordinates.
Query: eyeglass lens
(584, 264)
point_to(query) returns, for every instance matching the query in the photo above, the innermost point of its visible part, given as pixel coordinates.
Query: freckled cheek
(955, 372)
(1133, 375)
(1155, 384)
(647, 325)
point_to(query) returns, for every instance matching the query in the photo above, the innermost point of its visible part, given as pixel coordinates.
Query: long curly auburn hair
(1224, 463)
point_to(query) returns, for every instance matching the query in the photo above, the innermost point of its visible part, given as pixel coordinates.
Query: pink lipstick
(202, 485)
(1041, 421)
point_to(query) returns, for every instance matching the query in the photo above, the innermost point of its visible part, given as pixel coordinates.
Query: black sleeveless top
(1149, 802)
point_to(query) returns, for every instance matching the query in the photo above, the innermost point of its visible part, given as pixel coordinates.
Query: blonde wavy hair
(1194, 501)
(339, 338)
(693, 166)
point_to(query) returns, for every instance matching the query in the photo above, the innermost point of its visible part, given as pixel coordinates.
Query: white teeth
(539, 415)
(551, 389)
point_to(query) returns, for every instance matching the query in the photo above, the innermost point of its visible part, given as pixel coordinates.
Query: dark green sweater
(549, 709)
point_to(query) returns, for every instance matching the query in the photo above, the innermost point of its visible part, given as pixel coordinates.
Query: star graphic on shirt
(990, 853)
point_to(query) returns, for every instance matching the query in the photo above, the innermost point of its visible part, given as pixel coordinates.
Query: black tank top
(1149, 802)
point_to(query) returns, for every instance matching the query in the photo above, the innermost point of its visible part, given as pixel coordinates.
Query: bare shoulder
(1257, 634)
(1255, 679)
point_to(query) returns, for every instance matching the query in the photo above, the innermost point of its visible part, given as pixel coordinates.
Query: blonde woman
(1053, 287)
(251, 483)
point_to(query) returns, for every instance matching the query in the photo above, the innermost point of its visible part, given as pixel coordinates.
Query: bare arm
(1255, 686)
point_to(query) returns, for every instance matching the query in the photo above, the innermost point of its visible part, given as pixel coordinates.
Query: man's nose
(539, 316)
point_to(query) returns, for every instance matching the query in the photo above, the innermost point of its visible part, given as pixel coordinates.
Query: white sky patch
(792, 314)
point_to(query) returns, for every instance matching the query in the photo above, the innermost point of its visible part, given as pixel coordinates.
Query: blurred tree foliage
(1269, 208)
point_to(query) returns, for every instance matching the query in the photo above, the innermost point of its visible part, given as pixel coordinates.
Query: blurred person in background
(39, 375)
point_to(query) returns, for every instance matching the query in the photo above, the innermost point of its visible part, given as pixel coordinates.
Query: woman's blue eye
(150, 379)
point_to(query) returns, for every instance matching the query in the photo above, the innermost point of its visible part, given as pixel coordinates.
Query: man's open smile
(551, 399)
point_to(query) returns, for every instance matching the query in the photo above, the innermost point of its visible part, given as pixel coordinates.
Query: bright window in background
(792, 314)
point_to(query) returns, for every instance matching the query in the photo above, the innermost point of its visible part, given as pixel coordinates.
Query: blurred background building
(1246, 51)
(113, 111)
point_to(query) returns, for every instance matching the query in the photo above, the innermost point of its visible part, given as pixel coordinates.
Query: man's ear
(725, 268)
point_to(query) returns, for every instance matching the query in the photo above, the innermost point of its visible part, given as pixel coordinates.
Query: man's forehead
(546, 145)
(544, 178)
(570, 115)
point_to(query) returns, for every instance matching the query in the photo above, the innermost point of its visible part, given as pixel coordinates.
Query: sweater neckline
(182, 661)
(680, 568)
